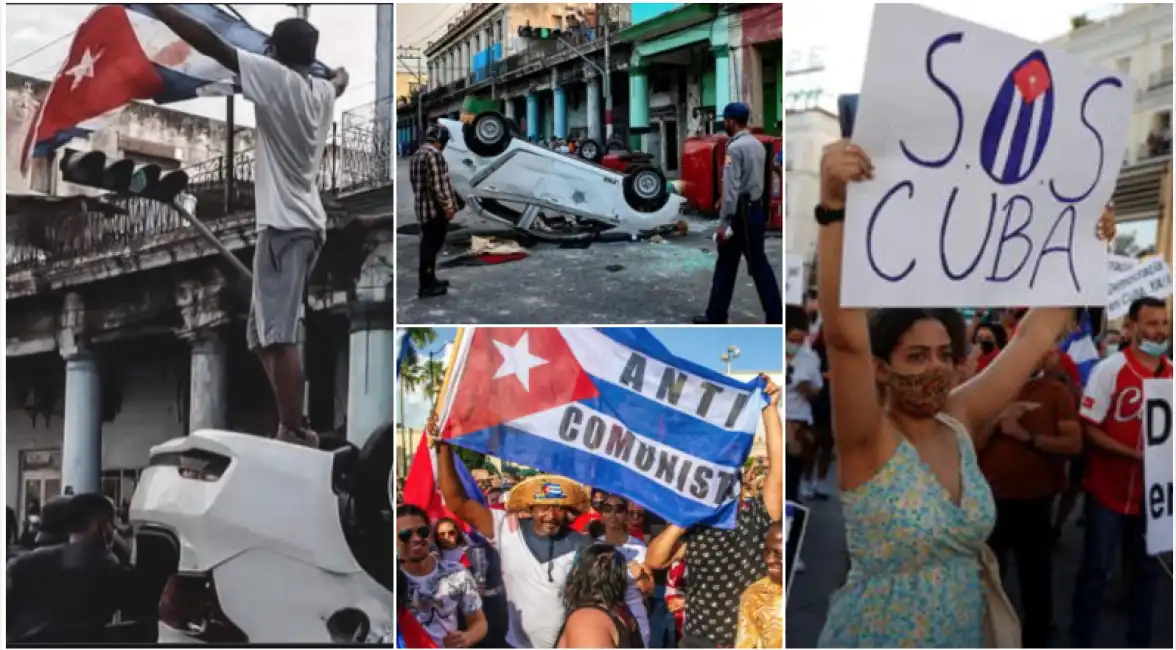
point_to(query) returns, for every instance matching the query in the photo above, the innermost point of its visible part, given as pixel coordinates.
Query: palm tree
(432, 376)
(410, 377)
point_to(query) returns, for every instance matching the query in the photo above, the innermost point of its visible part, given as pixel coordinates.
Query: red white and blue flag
(422, 490)
(122, 53)
(610, 408)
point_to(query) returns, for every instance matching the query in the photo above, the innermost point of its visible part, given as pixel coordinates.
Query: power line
(43, 48)
(443, 18)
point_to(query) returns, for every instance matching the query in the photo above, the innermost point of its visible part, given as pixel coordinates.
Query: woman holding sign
(917, 508)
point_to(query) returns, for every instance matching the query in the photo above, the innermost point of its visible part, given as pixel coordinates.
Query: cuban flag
(610, 409)
(403, 350)
(409, 631)
(422, 490)
(120, 54)
(1018, 125)
(1081, 347)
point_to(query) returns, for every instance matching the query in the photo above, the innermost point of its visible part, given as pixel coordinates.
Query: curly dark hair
(599, 578)
(887, 325)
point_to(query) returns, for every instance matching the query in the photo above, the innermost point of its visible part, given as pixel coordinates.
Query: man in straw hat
(536, 552)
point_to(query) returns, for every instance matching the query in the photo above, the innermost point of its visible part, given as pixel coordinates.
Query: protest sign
(795, 518)
(794, 285)
(608, 409)
(994, 158)
(1119, 264)
(1150, 277)
(1157, 464)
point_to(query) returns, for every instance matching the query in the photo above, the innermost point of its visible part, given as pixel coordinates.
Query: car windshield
(557, 179)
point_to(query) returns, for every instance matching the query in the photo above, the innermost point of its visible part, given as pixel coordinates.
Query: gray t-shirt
(293, 114)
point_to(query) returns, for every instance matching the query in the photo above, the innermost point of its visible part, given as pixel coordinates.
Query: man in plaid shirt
(435, 204)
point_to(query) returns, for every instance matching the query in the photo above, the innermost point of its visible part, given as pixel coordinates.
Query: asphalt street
(607, 283)
(824, 554)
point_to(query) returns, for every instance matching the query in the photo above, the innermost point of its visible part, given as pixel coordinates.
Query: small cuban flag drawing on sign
(1018, 125)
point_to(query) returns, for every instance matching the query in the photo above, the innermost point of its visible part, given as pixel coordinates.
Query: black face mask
(987, 346)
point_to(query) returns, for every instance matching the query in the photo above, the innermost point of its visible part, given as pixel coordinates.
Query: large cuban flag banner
(122, 53)
(611, 408)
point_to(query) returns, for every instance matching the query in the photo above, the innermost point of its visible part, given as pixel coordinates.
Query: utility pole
(603, 9)
(403, 53)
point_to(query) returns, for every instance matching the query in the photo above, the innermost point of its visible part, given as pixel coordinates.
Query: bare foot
(304, 437)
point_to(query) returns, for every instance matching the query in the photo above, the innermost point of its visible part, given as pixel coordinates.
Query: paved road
(826, 563)
(659, 283)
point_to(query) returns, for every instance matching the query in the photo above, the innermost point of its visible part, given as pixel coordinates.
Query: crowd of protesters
(963, 441)
(557, 564)
(69, 575)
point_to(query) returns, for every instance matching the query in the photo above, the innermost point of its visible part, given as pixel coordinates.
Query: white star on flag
(517, 361)
(84, 68)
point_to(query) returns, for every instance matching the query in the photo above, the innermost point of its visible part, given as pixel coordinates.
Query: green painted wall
(708, 87)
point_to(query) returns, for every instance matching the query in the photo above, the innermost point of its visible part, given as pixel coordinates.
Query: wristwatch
(825, 216)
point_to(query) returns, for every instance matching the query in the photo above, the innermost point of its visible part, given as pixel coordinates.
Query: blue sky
(760, 349)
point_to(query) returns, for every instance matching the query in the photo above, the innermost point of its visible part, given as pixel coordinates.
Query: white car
(250, 540)
(550, 195)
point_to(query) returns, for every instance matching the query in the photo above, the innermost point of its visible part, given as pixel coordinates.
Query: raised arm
(664, 547)
(978, 401)
(857, 414)
(774, 440)
(198, 35)
(339, 79)
(470, 511)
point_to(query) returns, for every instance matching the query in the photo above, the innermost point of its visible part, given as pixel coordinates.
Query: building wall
(1138, 43)
(169, 134)
(808, 133)
(643, 11)
(151, 413)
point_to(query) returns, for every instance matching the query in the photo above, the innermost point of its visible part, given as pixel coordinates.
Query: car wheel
(590, 150)
(645, 189)
(488, 135)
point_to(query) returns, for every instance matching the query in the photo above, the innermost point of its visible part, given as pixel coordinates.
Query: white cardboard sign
(1157, 464)
(1151, 277)
(794, 284)
(993, 157)
(1117, 264)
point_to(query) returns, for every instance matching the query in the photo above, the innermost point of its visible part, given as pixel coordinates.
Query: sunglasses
(609, 508)
(406, 534)
(448, 534)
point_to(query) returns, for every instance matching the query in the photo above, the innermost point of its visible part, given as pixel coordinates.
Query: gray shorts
(282, 263)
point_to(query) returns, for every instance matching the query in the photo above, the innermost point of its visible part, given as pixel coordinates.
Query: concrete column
(209, 395)
(508, 107)
(638, 102)
(594, 109)
(560, 105)
(533, 115)
(371, 382)
(722, 83)
(81, 445)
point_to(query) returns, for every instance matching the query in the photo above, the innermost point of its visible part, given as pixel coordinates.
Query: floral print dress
(914, 578)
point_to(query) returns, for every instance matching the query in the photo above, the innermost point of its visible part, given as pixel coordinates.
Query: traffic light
(93, 169)
(540, 33)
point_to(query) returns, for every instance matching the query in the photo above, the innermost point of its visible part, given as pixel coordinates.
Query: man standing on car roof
(435, 203)
(743, 222)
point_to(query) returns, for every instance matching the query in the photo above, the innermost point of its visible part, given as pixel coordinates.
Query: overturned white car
(249, 540)
(550, 195)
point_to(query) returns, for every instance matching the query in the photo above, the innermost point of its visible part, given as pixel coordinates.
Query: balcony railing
(358, 157)
(1160, 79)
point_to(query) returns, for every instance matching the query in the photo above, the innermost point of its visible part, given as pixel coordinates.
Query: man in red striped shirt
(1112, 410)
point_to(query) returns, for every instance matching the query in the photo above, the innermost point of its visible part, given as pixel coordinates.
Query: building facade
(809, 131)
(126, 329)
(1137, 43)
(670, 69)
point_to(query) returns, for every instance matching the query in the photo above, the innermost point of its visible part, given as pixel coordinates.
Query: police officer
(743, 223)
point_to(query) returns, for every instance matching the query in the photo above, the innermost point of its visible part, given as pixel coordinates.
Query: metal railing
(1161, 78)
(358, 157)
